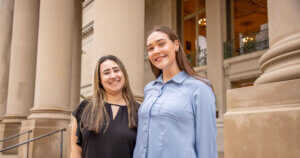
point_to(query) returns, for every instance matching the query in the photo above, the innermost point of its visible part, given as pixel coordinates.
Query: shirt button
(159, 94)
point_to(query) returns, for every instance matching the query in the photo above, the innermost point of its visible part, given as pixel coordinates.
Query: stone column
(264, 120)
(282, 61)
(76, 56)
(215, 10)
(51, 110)
(119, 30)
(6, 20)
(22, 67)
(216, 35)
(76, 68)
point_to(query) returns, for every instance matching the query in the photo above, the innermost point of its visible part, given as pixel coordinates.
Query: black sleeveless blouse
(117, 142)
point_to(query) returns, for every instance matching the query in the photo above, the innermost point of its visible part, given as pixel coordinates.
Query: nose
(156, 50)
(113, 75)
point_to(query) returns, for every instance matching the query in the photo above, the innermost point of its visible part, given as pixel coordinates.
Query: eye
(149, 49)
(161, 44)
(117, 70)
(106, 73)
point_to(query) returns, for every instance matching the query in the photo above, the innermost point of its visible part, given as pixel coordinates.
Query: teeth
(114, 82)
(158, 58)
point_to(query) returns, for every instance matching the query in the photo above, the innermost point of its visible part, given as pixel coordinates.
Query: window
(247, 27)
(194, 31)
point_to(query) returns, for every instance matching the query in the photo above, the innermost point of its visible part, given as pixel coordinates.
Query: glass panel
(202, 43)
(201, 5)
(190, 40)
(194, 27)
(248, 43)
(250, 21)
(189, 7)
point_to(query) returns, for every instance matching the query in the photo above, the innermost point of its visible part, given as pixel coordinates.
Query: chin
(114, 91)
(161, 66)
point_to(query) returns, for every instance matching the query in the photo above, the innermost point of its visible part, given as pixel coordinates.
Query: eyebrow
(156, 41)
(111, 68)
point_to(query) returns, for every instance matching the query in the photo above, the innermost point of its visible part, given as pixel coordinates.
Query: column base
(281, 61)
(13, 118)
(10, 126)
(57, 113)
(220, 137)
(7, 130)
(263, 121)
(47, 147)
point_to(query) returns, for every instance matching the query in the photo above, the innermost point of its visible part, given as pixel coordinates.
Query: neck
(115, 98)
(170, 73)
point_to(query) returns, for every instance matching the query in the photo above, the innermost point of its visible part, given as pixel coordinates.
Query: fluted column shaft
(6, 19)
(23, 60)
(51, 110)
(76, 56)
(54, 60)
(215, 29)
(215, 10)
(282, 61)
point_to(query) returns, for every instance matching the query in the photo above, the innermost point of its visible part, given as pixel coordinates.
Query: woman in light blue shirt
(177, 117)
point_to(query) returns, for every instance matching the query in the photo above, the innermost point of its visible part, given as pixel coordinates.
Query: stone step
(8, 156)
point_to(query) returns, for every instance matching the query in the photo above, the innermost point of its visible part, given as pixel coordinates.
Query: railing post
(61, 143)
(247, 43)
(27, 152)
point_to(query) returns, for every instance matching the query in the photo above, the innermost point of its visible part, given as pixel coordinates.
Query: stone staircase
(8, 156)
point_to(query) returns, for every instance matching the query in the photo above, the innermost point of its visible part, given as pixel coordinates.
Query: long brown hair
(180, 55)
(95, 117)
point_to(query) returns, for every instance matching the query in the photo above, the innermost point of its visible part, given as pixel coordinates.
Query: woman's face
(112, 78)
(161, 51)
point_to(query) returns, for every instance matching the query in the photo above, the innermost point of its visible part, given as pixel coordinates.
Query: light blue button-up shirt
(177, 120)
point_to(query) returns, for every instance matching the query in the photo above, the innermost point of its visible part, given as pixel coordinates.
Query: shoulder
(199, 82)
(79, 110)
(203, 97)
(200, 85)
(149, 86)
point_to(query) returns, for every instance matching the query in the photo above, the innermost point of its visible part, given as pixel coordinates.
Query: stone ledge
(273, 134)
(273, 94)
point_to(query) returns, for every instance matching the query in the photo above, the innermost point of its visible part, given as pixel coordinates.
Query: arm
(75, 149)
(205, 122)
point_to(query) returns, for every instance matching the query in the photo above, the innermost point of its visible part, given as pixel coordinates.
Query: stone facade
(48, 51)
(264, 120)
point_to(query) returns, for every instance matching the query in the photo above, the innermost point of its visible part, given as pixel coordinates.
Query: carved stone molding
(88, 28)
(282, 61)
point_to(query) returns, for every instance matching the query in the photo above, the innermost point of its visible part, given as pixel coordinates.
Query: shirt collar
(178, 78)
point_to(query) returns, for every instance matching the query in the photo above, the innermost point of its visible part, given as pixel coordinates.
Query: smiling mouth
(114, 82)
(158, 59)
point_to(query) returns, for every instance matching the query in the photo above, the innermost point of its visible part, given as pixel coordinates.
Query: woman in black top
(105, 126)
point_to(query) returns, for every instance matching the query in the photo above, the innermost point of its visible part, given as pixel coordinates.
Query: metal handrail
(249, 43)
(8, 138)
(39, 137)
(199, 57)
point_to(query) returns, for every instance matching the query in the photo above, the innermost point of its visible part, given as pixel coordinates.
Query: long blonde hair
(95, 116)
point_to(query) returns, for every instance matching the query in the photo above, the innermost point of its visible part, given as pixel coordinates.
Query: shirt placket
(146, 127)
